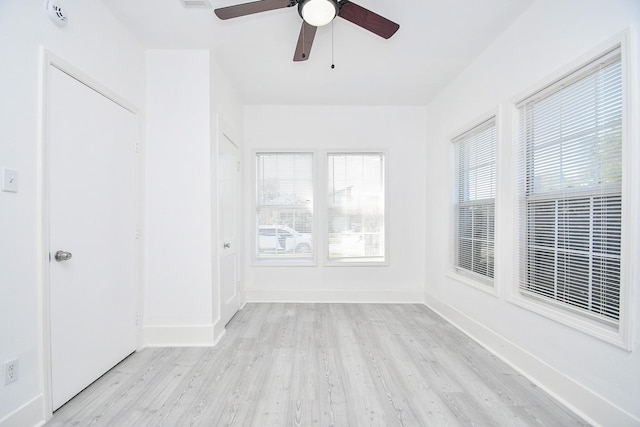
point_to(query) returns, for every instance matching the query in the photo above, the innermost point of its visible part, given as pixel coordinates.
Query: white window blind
(284, 205)
(571, 200)
(356, 206)
(475, 204)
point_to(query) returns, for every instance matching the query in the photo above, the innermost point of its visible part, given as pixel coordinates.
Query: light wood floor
(319, 365)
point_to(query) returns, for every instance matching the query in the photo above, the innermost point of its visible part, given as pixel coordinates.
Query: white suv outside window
(282, 239)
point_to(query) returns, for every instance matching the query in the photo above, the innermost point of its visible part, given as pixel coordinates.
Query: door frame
(224, 130)
(47, 60)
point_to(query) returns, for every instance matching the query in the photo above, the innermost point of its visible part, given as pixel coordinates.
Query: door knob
(63, 256)
(226, 246)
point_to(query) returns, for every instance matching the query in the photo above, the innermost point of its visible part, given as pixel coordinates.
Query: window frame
(311, 261)
(324, 205)
(620, 336)
(468, 277)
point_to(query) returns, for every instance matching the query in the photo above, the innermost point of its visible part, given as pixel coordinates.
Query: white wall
(97, 44)
(178, 289)
(600, 380)
(400, 132)
(186, 90)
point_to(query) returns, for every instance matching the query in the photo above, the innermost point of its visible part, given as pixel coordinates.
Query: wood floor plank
(319, 365)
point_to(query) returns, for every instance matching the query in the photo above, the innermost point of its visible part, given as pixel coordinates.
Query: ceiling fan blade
(366, 19)
(305, 41)
(251, 8)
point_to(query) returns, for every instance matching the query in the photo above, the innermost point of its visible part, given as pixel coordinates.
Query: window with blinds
(475, 162)
(571, 192)
(284, 206)
(356, 207)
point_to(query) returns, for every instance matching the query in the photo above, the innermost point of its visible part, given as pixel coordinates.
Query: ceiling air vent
(195, 4)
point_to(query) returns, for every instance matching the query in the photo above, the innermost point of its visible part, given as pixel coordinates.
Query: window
(284, 206)
(475, 203)
(356, 207)
(571, 191)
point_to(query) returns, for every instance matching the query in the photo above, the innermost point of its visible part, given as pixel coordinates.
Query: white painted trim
(622, 336)
(568, 317)
(225, 131)
(630, 272)
(489, 286)
(49, 59)
(589, 405)
(219, 331)
(251, 224)
(323, 209)
(29, 414)
(67, 68)
(218, 337)
(571, 66)
(335, 296)
(180, 336)
(361, 262)
(477, 284)
(216, 300)
(289, 262)
(141, 215)
(501, 236)
(320, 226)
(43, 237)
(470, 125)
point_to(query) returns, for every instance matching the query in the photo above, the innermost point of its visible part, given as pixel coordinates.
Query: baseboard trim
(29, 414)
(178, 336)
(335, 296)
(219, 331)
(592, 407)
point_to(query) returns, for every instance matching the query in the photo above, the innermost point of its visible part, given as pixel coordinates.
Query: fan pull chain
(333, 65)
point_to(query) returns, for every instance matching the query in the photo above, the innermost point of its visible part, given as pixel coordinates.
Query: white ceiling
(436, 40)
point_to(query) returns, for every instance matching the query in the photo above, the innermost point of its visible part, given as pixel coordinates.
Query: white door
(91, 165)
(228, 198)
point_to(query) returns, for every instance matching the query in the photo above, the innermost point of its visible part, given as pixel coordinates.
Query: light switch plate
(10, 181)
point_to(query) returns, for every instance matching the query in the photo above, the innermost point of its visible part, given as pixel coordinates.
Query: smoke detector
(56, 13)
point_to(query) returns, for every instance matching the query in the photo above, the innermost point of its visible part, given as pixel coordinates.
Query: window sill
(487, 287)
(356, 263)
(291, 262)
(592, 327)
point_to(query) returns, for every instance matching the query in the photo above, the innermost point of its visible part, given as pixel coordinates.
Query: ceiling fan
(314, 14)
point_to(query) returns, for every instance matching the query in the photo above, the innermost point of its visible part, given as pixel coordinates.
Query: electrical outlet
(10, 371)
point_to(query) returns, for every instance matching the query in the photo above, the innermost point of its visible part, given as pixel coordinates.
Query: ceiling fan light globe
(319, 12)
